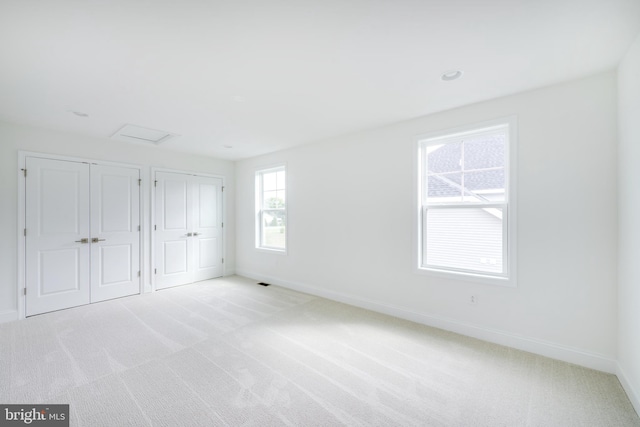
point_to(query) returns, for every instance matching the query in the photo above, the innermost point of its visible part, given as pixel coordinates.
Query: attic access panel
(138, 134)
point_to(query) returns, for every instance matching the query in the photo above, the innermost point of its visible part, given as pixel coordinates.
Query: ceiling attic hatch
(133, 133)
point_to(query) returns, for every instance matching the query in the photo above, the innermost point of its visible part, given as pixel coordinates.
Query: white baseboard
(532, 345)
(633, 394)
(8, 316)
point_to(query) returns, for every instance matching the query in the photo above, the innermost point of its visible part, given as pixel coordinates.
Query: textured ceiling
(263, 75)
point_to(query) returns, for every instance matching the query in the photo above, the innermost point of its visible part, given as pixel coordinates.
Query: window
(271, 208)
(466, 214)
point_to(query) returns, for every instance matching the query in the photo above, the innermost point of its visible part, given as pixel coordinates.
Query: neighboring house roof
(481, 159)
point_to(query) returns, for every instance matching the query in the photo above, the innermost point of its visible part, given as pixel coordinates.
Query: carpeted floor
(230, 352)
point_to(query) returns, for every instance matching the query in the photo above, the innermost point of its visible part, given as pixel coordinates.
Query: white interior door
(57, 235)
(82, 233)
(207, 227)
(115, 232)
(187, 229)
(172, 230)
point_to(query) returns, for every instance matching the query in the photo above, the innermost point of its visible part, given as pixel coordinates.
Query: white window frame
(260, 209)
(509, 276)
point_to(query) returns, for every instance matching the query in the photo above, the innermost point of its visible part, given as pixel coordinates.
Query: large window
(465, 203)
(271, 209)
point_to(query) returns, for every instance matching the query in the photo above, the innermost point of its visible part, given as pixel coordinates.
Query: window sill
(508, 282)
(271, 250)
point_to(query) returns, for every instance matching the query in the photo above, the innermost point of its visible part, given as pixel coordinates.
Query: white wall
(629, 222)
(15, 137)
(351, 224)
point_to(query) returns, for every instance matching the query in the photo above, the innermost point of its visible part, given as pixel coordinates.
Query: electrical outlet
(473, 299)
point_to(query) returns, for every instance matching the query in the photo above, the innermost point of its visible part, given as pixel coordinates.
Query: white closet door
(187, 229)
(207, 227)
(57, 240)
(172, 230)
(115, 234)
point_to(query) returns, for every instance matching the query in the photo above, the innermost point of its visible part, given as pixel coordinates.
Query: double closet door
(82, 233)
(187, 228)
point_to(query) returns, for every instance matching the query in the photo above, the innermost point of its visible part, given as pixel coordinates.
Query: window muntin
(465, 202)
(271, 207)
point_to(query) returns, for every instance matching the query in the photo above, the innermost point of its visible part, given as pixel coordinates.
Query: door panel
(208, 253)
(115, 200)
(59, 198)
(119, 258)
(176, 197)
(175, 257)
(188, 242)
(115, 221)
(57, 218)
(207, 195)
(58, 271)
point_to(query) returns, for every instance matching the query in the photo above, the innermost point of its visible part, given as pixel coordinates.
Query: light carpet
(230, 352)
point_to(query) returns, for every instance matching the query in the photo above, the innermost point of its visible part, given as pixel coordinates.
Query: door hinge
(139, 181)
(155, 271)
(138, 228)
(223, 188)
(155, 183)
(25, 232)
(138, 273)
(24, 291)
(155, 227)
(223, 260)
(24, 172)
(223, 225)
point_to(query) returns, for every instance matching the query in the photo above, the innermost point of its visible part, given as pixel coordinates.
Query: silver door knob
(189, 234)
(96, 240)
(83, 240)
(196, 234)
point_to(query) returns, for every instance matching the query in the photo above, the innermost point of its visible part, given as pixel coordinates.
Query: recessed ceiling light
(450, 75)
(79, 113)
